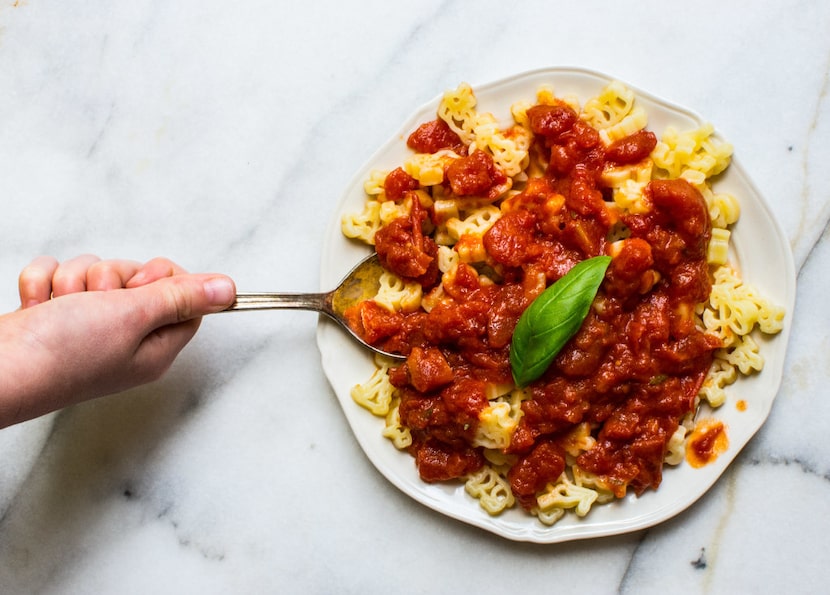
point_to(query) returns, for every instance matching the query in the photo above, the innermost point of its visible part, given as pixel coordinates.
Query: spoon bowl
(360, 284)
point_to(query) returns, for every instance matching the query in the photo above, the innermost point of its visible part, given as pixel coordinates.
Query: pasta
(478, 220)
(398, 295)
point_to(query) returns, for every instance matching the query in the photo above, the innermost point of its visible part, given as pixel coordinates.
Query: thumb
(184, 297)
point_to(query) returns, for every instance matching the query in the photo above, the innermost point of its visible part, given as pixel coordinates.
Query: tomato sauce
(434, 136)
(707, 441)
(631, 372)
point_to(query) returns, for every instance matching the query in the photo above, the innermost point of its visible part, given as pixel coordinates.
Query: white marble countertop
(221, 135)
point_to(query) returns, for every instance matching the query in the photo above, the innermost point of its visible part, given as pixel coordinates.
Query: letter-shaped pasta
(391, 210)
(735, 308)
(476, 223)
(362, 226)
(695, 150)
(627, 184)
(428, 168)
(579, 440)
(718, 250)
(433, 298)
(495, 426)
(770, 317)
(565, 494)
(509, 149)
(746, 356)
(517, 395)
(721, 374)
(610, 107)
(400, 435)
(633, 122)
(495, 390)
(551, 516)
(457, 109)
(585, 479)
(614, 114)
(374, 185)
(491, 489)
(471, 248)
(444, 210)
(397, 295)
(447, 259)
(724, 210)
(376, 393)
(676, 448)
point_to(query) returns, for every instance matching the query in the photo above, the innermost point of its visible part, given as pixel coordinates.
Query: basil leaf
(553, 318)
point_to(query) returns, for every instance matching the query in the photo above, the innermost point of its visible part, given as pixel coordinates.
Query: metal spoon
(360, 284)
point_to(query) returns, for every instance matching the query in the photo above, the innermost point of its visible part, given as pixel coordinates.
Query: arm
(108, 326)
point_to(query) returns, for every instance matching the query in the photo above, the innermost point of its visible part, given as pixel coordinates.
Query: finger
(35, 281)
(70, 276)
(184, 297)
(156, 269)
(110, 274)
(159, 349)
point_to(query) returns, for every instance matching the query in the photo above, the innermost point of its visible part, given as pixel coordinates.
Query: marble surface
(221, 135)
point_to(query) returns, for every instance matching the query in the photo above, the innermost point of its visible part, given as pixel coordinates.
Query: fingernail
(220, 291)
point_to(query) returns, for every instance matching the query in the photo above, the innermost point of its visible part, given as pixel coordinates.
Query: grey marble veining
(222, 135)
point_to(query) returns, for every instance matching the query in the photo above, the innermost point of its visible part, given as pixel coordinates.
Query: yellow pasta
(735, 308)
(613, 104)
(588, 480)
(375, 394)
(734, 311)
(724, 209)
(397, 295)
(509, 149)
(444, 210)
(676, 448)
(457, 109)
(428, 168)
(373, 186)
(495, 426)
(564, 495)
(447, 259)
(516, 397)
(744, 355)
(362, 226)
(579, 440)
(696, 150)
(496, 390)
(718, 250)
(476, 222)
(400, 435)
(628, 183)
(614, 114)
(491, 489)
(721, 374)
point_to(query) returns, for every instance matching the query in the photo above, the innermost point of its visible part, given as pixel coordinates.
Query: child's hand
(89, 327)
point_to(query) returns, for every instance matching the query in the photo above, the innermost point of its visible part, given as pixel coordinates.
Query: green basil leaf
(553, 318)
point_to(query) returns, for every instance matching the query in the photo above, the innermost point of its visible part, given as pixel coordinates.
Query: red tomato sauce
(707, 441)
(433, 136)
(634, 368)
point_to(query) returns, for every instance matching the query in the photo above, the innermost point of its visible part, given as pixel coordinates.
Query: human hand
(89, 327)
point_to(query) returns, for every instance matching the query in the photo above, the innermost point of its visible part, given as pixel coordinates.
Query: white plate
(762, 253)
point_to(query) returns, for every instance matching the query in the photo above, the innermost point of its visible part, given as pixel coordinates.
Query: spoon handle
(319, 302)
